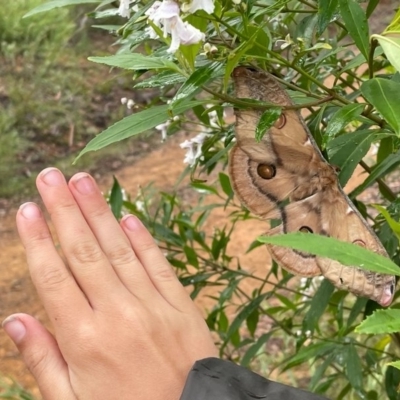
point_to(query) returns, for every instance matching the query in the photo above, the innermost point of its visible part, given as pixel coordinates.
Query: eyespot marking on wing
(306, 229)
(280, 122)
(266, 171)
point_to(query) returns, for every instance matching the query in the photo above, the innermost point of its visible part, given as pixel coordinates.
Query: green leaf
(223, 321)
(341, 118)
(318, 305)
(116, 199)
(315, 123)
(254, 349)
(244, 314)
(344, 252)
(386, 148)
(198, 278)
(305, 354)
(343, 395)
(327, 12)
(356, 310)
(305, 29)
(219, 244)
(252, 321)
(235, 338)
(56, 4)
(202, 187)
(261, 42)
(371, 7)
(354, 367)
(391, 47)
(193, 84)
(381, 321)
(358, 60)
(235, 56)
(377, 172)
(392, 379)
(346, 151)
(395, 364)
(319, 372)
(162, 79)
(394, 225)
(166, 234)
(384, 96)
(394, 25)
(267, 119)
(136, 61)
(225, 184)
(285, 301)
(356, 23)
(133, 125)
(191, 256)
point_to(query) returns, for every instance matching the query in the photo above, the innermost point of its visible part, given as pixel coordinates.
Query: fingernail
(30, 210)
(84, 184)
(52, 177)
(14, 328)
(132, 222)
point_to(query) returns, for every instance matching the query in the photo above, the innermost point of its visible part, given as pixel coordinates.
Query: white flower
(140, 205)
(285, 43)
(153, 8)
(166, 15)
(124, 9)
(151, 33)
(162, 13)
(163, 128)
(193, 147)
(183, 33)
(206, 5)
(130, 103)
(124, 100)
(209, 49)
(213, 116)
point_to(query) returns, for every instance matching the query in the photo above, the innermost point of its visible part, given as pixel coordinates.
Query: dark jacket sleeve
(215, 379)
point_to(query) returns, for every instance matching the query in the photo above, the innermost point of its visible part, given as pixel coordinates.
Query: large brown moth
(285, 177)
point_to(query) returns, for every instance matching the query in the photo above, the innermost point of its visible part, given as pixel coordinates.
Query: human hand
(124, 326)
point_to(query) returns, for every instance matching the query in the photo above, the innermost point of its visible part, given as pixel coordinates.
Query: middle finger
(116, 246)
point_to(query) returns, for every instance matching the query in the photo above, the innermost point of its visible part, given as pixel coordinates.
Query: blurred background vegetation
(52, 100)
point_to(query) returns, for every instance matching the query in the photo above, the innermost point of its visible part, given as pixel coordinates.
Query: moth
(285, 177)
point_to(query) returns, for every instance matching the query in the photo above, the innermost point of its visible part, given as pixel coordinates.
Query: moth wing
(287, 148)
(346, 224)
(297, 216)
(297, 186)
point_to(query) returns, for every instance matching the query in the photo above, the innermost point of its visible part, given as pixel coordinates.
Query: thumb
(41, 355)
